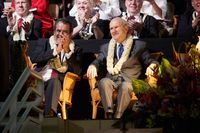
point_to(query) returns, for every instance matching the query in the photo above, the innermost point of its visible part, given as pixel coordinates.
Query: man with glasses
(55, 57)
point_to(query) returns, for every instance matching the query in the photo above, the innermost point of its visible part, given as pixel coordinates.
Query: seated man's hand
(152, 69)
(91, 71)
(26, 26)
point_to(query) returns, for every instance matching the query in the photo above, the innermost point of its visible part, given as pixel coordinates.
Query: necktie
(120, 50)
(20, 21)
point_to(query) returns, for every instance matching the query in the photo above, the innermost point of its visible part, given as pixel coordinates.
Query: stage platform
(56, 125)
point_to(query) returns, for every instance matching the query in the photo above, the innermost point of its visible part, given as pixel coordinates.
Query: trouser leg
(123, 98)
(56, 94)
(53, 87)
(106, 87)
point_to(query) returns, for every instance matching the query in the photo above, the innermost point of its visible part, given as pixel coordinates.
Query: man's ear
(126, 28)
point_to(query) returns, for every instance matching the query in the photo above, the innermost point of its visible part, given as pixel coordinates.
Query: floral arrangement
(174, 102)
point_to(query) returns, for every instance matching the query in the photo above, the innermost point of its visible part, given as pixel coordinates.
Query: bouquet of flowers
(174, 104)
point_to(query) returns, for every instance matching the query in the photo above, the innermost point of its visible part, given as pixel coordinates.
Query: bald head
(118, 29)
(119, 20)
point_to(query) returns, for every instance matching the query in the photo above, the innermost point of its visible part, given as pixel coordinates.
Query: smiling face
(196, 5)
(133, 6)
(118, 29)
(22, 7)
(83, 6)
(62, 31)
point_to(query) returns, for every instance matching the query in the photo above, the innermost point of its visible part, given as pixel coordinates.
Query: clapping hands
(134, 26)
(26, 26)
(195, 22)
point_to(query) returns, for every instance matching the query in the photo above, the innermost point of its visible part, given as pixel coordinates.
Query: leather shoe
(109, 115)
(50, 114)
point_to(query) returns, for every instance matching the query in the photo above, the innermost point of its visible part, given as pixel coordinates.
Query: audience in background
(158, 9)
(140, 25)
(107, 9)
(86, 22)
(64, 6)
(3, 20)
(180, 6)
(42, 13)
(189, 24)
(22, 26)
(155, 8)
(1, 7)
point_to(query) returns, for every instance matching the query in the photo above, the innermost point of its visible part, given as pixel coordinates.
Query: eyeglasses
(66, 32)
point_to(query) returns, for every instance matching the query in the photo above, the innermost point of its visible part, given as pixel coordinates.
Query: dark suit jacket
(3, 25)
(36, 30)
(40, 52)
(1, 6)
(150, 28)
(185, 31)
(132, 68)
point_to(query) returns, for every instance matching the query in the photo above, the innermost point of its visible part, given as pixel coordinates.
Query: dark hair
(64, 21)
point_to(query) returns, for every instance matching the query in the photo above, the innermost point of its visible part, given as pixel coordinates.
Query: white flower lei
(86, 32)
(15, 33)
(110, 58)
(53, 43)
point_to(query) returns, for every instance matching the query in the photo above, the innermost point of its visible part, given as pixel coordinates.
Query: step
(57, 125)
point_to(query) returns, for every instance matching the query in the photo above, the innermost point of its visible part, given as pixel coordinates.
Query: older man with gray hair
(125, 59)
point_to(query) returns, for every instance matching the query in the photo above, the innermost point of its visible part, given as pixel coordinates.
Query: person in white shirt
(87, 23)
(140, 25)
(108, 9)
(155, 8)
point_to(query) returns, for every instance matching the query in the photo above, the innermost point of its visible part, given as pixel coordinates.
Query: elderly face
(62, 31)
(196, 5)
(83, 6)
(118, 29)
(133, 6)
(22, 7)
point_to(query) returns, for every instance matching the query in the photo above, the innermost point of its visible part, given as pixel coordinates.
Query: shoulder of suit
(140, 42)
(36, 20)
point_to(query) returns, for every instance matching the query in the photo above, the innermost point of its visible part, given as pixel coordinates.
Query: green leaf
(140, 86)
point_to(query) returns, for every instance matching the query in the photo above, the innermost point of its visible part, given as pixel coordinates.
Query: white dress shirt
(148, 8)
(107, 10)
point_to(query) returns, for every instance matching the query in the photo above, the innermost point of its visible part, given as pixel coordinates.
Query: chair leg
(94, 109)
(95, 97)
(64, 111)
(66, 94)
